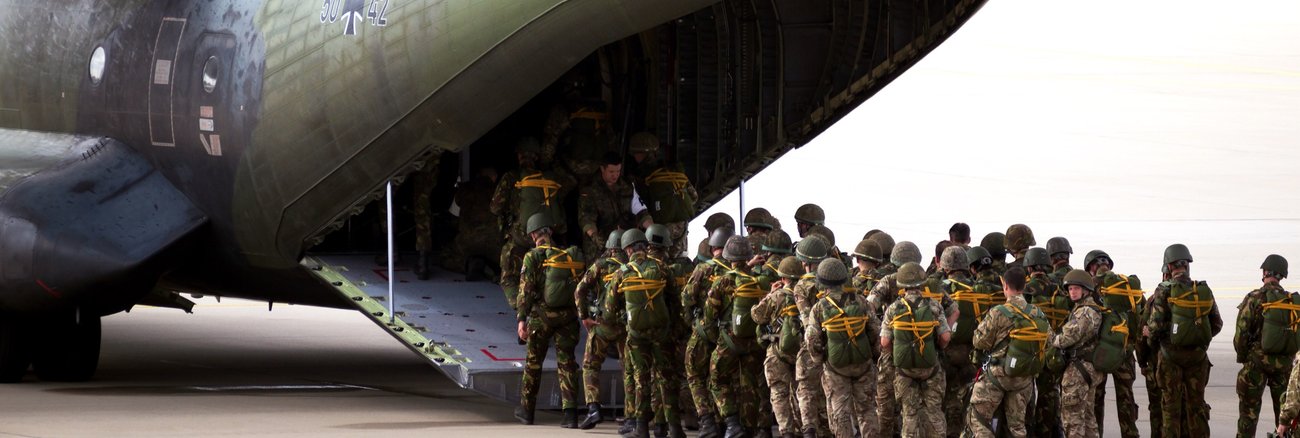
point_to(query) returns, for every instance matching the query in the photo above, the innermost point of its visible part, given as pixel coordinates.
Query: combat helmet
(812, 249)
(657, 235)
(759, 218)
(884, 241)
(1057, 245)
(910, 275)
(790, 267)
(643, 143)
(995, 245)
(1037, 256)
(719, 237)
(778, 242)
(615, 240)
(810, 213)
(954, 259)
(1097, 255)
(632, 237)
(737, 249)
(1018, 238)
(905, 252)
(832, 272)
(826, 233)
(539, 221)
(869, 249)
(1275, 264)
(719, 220)
(1177, 252)
(1080, 277)
(979, 256)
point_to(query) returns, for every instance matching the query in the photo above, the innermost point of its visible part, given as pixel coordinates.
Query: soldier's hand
(1146, 331)
(1282, 429)
(589, 323)
(523, 330)
(757, 260)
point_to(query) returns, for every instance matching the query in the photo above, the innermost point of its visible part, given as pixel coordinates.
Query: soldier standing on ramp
(546, 312)
(603, 331)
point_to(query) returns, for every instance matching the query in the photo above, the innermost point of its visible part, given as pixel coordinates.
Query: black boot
(708, 426)
(524, 415)
(570, 419)
(661, 430)
(422, 264)
(810, 432)
(641, 429)
(675, 431)
(627, 427)
(593, 417)
(689, 420)
(734, 429)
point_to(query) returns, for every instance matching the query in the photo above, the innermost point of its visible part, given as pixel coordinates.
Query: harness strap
(678, 180)
(1202, 307)
(921, 330)
(538, 181)
(1122, 289)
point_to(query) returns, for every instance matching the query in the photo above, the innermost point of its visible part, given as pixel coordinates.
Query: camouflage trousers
(653, 361)
(920, 394)
(423, 183)
(540, 337)
(512, 263)
(810, 393)
(781, 383)
(599, 339)
(1183, 373)
(684, 403)
(1078, 397)
(886, 407)
(851, 399)
(734, 380)
(991, 392)
(960, 377)
(1043, 418)
(1255, 375)
(698, 352)
(1153, 397)
(1125, 404)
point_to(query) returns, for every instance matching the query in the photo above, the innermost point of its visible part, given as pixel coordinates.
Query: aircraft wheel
(15, 350)
(69, 351)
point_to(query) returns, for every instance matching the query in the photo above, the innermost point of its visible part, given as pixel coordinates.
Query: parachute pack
(643, 291)
(1190, 308)
(1027, 346)
(973, 302)
(1281, 318)
(847, 340)
(914, 340)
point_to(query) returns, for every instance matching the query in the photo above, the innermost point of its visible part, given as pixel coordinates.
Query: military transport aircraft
(150, 148)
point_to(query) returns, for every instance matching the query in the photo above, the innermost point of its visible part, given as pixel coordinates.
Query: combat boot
(570, 419)
(422, 264)
(593, 417)
(734, 429)
(661, 430)
(641, 430)
(708, 426)
(689, 421)
(524, 415)
(810, 432)
(627, 427)
(675, 431)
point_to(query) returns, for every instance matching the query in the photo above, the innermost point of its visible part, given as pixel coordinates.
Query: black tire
(15, 350)
(69, 350)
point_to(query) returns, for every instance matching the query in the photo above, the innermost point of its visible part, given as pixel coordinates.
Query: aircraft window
(210, 70)
(97, 61)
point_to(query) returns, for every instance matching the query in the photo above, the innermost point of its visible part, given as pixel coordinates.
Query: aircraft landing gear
(15, 350)
(69, 348)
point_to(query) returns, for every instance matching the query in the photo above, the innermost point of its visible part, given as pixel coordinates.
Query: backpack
(643, 288)
(1027, 344)
(974, 303)
(668, 196)
(847, 340)
(1121, 294)
(748, 291)
(1281, 318)
(1190, 320)
(1056, 306)
(1112, 341)
(612, 266)
(537, 193)
(914, 343)
(562, 269)
(790, 335)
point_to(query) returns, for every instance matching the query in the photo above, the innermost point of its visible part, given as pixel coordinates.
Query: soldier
(704, 334)
(737, 361)
(1044, 292)
(1290, 412)
(1013, 338)
(994, 244)
(973, 303)
(881, 297)
(1183, 320)
(548, 311)
(758, 222)
(477, 246)
(1122, 295)
(1077, 340)
(783, 334)
(1265, 343)
(808, 376)
(423, 182)
(933, 271)
(843, 334)
(605, 204)
(1059, 250)
(915, 330)
(680, 269)
(715, 221)
(519, 195)
(886, 244)
(663, 187)
(603, 331)
(644, 290)
(777, 248)
(959, 234)
(808, 215)
(1017, 240)
(868, 257)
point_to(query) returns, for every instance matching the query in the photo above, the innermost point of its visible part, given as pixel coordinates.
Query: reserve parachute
(1027, 344)
(914, 336)
(643, 288)
(1281, 318)
(1190, 320)
(847, 340)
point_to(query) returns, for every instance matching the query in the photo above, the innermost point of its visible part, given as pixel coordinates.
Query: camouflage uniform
(1258, 369)
(1183, 371)
(883, 295)
(699, 348)
(641, 173)
(477, 236)
(1079, 336)
(651, 353)
(544, 324)
(808, 373)
(1125, 403)
(737, 361)
(957, 366)
(1147, 359)
(609, 331)
(919, 391)
(506, 206)
(850, 391)
(1043, 418)
(423, 182)
(778, 366)
(603, 209)
(680, 268)
(1290, 411)
(995, 389)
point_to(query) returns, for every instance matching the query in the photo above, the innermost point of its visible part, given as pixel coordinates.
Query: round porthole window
(210, 70)
(97, 60)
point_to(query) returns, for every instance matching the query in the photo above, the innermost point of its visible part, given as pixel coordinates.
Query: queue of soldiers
(817, 342)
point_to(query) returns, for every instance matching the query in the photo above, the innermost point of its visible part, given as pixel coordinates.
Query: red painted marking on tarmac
(499, 359)
(383, 272)
(49, 290)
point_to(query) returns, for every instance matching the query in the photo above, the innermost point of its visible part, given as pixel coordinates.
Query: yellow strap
(1031, 333)
(575, 267)
(849, 325)
(937, 296)
(1202, 307)
(596, 116)
(978, 300)
(921, 330)
(1286, 304)
(748, 287)
(1122, 289)
(537, 181)
(652, 287)
(791, 310)
(677, 179)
